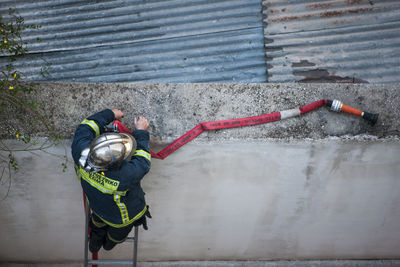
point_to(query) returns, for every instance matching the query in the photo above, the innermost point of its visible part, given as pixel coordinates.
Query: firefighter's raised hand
(141, 123)
(118, 114)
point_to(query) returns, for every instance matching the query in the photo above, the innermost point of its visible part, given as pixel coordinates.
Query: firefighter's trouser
(105, 235)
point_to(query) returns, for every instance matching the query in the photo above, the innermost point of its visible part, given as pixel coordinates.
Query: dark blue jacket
(116, 195)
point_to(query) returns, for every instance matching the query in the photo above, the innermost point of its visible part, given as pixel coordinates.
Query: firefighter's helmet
(109, 150)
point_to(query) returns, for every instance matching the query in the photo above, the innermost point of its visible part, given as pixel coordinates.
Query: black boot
(97, 236)
(95, 241)
(108, 244)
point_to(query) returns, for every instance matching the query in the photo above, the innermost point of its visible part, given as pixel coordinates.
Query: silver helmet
(110, 149)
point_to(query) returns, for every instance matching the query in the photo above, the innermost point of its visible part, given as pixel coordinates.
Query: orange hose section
(351, 110)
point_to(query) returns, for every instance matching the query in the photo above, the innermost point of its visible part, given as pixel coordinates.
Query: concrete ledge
(174, 109)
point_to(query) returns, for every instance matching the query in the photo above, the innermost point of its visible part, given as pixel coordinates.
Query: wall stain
(310, 169)
(303, 63)
(322, 75)
(326, 14)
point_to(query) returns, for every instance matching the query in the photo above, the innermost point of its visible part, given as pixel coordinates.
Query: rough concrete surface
(174, 109)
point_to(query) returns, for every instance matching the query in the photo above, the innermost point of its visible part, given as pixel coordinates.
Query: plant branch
(19, 103)
(9, 181)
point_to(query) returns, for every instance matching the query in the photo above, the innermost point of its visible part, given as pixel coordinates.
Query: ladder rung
(130, 239)
(110, 262)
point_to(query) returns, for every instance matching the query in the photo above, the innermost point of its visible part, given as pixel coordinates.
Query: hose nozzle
(338, 106)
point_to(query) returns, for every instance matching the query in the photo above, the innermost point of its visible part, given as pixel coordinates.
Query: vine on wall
(19, 113)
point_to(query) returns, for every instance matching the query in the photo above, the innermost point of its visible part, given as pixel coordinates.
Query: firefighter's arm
(90, 128)
(98, 121)
(142, 136)
(140, 162)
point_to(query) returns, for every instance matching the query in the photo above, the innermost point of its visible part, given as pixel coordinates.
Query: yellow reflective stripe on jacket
(143, 153)
(140, 214)
(101, 182)
(122, 209)
(93, 125)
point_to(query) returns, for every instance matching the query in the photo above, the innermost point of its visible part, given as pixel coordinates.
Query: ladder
(94, 261)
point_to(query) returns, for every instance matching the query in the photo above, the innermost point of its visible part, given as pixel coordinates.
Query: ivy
(21, 114)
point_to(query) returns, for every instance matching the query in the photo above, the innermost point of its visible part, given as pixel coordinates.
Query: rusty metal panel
(332, 40)
(144, 40)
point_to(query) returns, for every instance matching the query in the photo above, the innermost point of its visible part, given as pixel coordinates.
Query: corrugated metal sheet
(332, 40)
(152, 41)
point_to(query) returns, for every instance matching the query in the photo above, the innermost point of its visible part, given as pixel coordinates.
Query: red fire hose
(335, 105)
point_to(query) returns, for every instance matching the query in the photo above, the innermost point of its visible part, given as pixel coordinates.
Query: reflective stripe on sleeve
(92, 125)
(143, 153)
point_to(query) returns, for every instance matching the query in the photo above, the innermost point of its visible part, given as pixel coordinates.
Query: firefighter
(110, 167)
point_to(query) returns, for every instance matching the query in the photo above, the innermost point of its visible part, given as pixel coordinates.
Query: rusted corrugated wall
(212, 41)
(333, 40)
(144, 41)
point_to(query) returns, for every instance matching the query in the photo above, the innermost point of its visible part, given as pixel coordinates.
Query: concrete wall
(295, 189)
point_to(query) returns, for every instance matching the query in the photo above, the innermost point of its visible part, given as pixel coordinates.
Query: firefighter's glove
(143, 220)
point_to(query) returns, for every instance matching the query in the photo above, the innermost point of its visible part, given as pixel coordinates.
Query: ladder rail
(86, 233)
(94, 261)
(135, 245)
